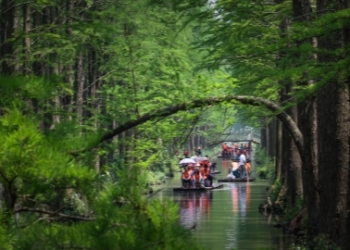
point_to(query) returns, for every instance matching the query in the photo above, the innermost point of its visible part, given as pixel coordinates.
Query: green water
(227, 218)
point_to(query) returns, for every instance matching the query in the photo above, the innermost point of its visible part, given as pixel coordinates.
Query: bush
(265, 165)
(321, 242)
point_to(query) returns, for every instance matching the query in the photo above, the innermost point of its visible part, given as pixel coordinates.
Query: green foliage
(61, 200)
(6, 241)
(27, 157)
(134, 224)
(320, 242)
(39, 169)
(276, 190)
(291, 212)
(265, 165)
(155, 178)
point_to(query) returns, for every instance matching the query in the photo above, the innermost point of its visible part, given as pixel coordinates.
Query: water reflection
(240, 197)
(193, 206)
(227, 218)
(226, 166)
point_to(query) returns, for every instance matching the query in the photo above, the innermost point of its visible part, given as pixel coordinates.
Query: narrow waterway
(227, 218)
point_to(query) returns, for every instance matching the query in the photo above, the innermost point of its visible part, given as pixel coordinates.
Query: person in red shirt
(208, 178)
(186, 153)
(224, 150)
(197, 179)
(186, 178)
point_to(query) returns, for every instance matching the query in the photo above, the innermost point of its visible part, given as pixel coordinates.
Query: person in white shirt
(242, 161)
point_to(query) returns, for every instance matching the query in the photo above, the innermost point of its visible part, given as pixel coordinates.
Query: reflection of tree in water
(193, 205)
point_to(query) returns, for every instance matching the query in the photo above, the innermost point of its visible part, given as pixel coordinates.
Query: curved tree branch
(249, 100)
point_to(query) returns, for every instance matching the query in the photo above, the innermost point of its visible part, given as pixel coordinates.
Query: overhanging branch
(173, 109)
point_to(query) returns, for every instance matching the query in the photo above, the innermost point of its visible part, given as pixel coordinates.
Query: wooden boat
(215, 172)
(215, 186)
(237, 180)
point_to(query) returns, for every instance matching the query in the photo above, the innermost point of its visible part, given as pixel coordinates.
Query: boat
(215, 186)
(237, 179)
(215, 172)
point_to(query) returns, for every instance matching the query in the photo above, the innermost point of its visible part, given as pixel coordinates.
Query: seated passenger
(235, 169)
(190, 168)
(208, 178)
(197, 179)
(186, 178)
(212, 166)
(248, 166)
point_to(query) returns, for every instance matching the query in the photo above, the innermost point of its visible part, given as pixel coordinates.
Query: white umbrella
(199, 158)
(187, 160)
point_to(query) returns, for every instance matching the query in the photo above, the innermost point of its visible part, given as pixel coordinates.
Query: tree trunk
(279, 151)
(272, 139)
(292, 157)
(308, 125)
(27, 67)
(6, 33)
(333, 120)
(79, 87)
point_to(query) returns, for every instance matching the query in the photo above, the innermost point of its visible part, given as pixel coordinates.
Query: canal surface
(227, 218)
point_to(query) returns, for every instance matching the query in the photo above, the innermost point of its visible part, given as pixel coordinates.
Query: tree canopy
(93, 91)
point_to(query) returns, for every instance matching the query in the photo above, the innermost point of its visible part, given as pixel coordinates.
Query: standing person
(238, 153)
(242, 162)
(198, 151)
(224, 150)
(186, 153)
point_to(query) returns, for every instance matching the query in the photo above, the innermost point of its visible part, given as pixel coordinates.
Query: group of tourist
(240, 166)
(197, 175)
(230, 151)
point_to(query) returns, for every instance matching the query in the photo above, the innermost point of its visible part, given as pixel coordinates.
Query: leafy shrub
(275, 190)
(321, 242)
(265, 165)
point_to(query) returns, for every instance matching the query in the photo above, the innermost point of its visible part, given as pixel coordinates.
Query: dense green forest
(98, 96)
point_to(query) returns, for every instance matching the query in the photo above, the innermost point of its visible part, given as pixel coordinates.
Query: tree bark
(79, 87)
(333, 133)
(6, 33)
(26, 41)
(279, 151)
(307, 123)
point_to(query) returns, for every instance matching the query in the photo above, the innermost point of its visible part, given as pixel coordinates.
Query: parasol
(187, 161)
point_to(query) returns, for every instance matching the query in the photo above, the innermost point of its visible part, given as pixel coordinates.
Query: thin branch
(3, 176)
(55, 213)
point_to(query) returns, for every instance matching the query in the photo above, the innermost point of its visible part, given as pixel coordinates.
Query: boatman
(242, 162)
(224, 150)
(198, 151)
